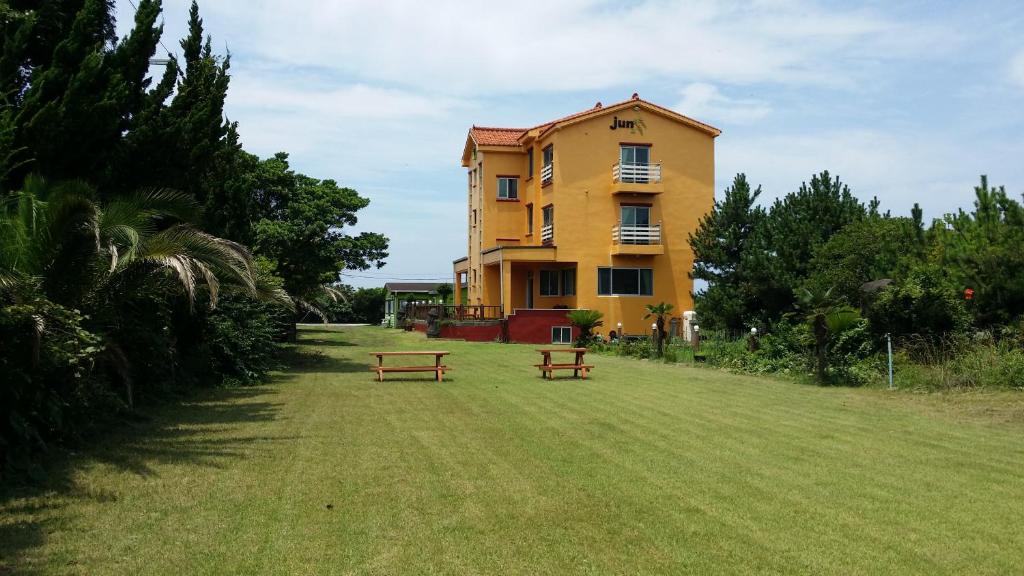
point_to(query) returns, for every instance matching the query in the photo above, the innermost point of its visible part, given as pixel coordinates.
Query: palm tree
(444, 291)
(661, 310)
(586, 321)
(827, 316)
(59, 243)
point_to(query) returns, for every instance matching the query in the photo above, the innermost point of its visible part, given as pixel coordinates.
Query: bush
(923, 304)
(242, 338)
(955, 362)
(50, 392)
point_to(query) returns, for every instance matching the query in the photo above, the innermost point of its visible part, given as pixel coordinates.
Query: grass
(646, 468)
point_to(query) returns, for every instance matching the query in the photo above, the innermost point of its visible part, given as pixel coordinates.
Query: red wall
(534, 326)
(524, 326)
(473, 332)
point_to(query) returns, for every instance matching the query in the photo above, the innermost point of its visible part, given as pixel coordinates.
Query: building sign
(635, 126)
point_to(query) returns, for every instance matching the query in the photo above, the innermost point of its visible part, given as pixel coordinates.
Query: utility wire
(157, 61)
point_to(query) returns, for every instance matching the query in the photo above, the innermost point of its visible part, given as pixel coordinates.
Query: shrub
(923, 304)
(242, 338)
(978, 361)
(50, 392)
(586, 321)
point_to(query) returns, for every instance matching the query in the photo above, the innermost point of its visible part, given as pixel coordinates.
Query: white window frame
(561, 331)
(504, 192)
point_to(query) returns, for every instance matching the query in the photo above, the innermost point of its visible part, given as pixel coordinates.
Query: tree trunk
(661, 335)
(821, 341)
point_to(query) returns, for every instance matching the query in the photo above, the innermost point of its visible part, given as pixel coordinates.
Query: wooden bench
(547, 368)
(438, 368)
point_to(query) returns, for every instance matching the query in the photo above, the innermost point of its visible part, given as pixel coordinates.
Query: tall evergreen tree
(723, 246)
(797, 225)
(984, 250)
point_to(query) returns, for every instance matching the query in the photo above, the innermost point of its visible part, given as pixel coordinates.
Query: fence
(455, 312)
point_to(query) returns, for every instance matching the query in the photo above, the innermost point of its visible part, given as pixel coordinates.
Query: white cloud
(447, 46)
(1016, 69)
(334, 103)
(900, 168)
(705, 102)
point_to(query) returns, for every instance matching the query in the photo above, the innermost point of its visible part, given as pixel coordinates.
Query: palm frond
(308, 306)
(194, 256)
(271, 292)
(334, 294)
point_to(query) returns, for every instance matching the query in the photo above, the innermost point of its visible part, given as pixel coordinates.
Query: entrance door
(529, 289)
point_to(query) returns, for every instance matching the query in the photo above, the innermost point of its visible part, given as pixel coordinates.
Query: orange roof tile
(489, 136)
(485, 136)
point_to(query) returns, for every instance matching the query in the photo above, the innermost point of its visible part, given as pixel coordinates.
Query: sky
(905, 101)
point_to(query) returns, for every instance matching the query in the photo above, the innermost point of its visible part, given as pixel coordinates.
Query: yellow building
(590, 211)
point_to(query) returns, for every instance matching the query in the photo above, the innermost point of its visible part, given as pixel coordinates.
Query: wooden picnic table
(547, 368)
(437, 368)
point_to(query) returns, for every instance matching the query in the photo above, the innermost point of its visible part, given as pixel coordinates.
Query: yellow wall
(585, 211)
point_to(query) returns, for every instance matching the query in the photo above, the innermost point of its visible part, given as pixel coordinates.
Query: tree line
(818, 263)
(142, 249)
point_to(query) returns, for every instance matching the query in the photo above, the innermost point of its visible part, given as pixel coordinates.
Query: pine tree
(797, 225)
(724, 247)
(982, 250)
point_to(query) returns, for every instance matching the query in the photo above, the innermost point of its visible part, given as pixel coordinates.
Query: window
(549, 283)
(569, 282)
(637, 155)
(390, 308)
(547, 172)
(529, 162)
(474, 217)
(625, 281)
(547, 231)
(635, 217)
(561, 335)
(529, 219)
(508, 187)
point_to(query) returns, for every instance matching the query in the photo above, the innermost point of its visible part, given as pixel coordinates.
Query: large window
(549, 283)
(508, 188)
(558, 282)
(561, 334)
(625, 282)
(634, 155)
(569, 282)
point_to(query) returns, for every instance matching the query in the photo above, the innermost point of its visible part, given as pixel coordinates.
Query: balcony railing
(547, 233)
(636, 173)
(636, 234)
(546, 173)
(454, 311)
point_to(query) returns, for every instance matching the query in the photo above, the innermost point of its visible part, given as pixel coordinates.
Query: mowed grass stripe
(646, 407)
(644, 468)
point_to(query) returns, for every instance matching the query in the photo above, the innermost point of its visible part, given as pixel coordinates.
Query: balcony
(637, 240)
(547, 234)
(636, 179)
(546, 174)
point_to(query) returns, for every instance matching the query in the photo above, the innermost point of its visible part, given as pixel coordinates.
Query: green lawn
(643, 469)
